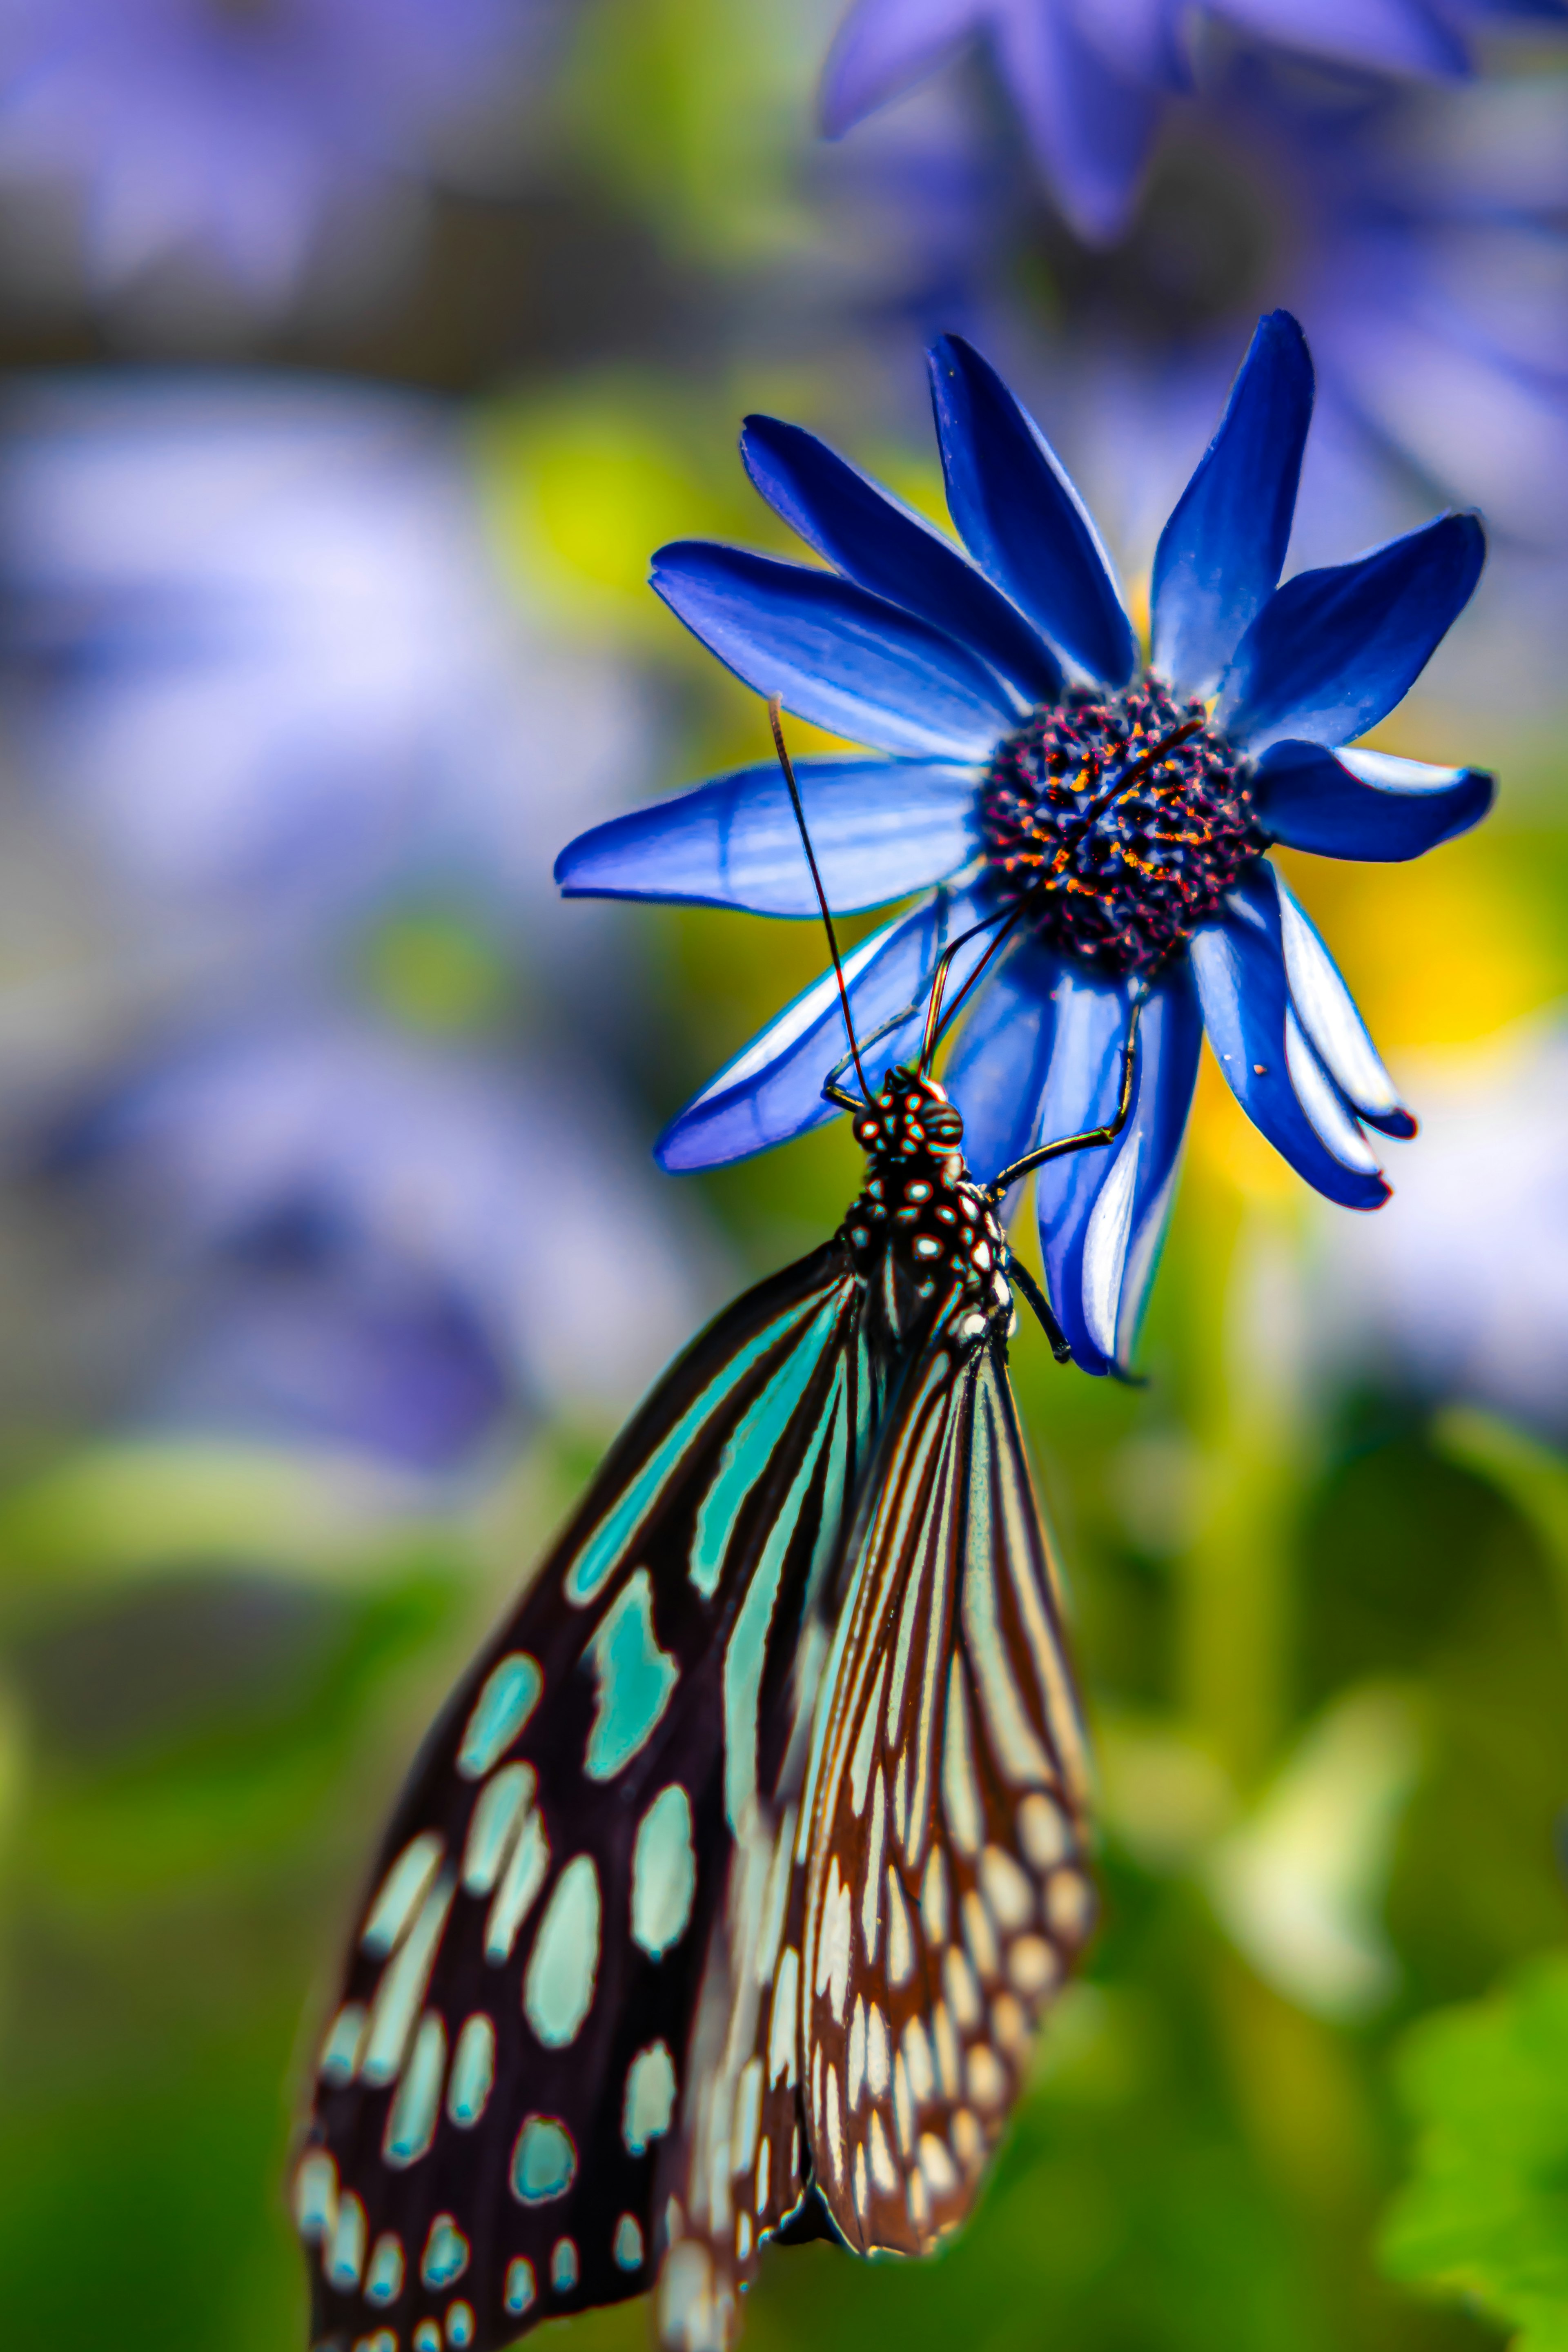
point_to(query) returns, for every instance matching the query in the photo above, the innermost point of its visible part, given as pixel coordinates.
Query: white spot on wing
(402, 1986)
(663, 1873)
(1006, 1888)
(1033, 1965)
(384, 2272)
(315, 2194)
(783, 2029)
(960, 1790)
(1069, 1904)
(832, 2122)
(748, 2111)
(400, 1893)
(903, 2104)
(558, 1991)
(980, 1936)
(523, 1877)
(340, 2052)
(833, 1943)
(344, 2251)
(918, 2058)
(473, 2071)
(937, 2166)
(410, 2123)
(497, 1814)
(987, 2076)
(958, 1982)
(651, 2098)
(876, 2052)
(946, 2040)
(884, 2172)
(510, 1695)
(1043, 1831)
(900, 1939)
(933, 1899)
(871, 1890)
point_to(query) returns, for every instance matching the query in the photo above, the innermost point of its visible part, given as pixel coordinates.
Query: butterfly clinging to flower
(729, 1890)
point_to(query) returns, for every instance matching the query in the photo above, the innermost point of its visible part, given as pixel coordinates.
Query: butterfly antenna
(935, 1020)
(779, 746)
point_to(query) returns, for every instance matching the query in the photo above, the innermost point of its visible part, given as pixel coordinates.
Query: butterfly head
(910, 1117)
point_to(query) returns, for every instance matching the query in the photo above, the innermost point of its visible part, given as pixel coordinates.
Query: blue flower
(238, 133)
(1104, 825)
(1091, 81)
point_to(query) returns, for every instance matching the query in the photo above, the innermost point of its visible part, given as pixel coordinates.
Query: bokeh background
(358, 353)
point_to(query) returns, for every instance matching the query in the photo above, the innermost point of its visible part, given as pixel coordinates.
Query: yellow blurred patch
(580, 488)
(1226, 1148)
(1445, 951)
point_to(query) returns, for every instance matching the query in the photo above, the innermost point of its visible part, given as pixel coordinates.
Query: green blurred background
(1322, 1606)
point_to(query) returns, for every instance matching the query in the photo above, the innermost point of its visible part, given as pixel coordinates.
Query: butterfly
(728, 1890)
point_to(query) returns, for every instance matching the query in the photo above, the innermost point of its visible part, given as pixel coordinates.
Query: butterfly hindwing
(947, 1893)
(503, 2078)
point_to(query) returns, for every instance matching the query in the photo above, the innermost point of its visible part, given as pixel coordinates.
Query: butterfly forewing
(575, 1865)
(947, 1894)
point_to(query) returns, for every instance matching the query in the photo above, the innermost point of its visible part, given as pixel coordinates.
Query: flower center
(1119, 825)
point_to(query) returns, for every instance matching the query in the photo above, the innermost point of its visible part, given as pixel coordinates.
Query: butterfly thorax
(921, 1232)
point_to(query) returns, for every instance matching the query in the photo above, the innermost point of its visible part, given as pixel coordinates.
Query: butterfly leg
(1092, 1136)
(1019, 1275)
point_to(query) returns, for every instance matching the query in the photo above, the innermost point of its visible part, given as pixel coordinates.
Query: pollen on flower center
(1119, 825)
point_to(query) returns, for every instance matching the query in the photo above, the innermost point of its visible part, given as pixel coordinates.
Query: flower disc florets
(1121, 823)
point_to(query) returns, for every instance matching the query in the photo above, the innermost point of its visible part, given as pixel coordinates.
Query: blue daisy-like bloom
(1094, 831)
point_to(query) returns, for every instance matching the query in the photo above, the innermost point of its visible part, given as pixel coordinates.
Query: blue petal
(837, 656)
(1020, 517)
(1332, 652)
(880, 830)
(1239, 966)
(881, 47)
(1102, 1211)
(1090, 115)
(1402, 36)
(1221, 553)
(773, 1088)
(1365, 805)
(997, 1070)
(1327, 1013)
(888, 549)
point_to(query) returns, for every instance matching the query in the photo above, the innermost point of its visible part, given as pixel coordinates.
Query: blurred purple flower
(385, 1243)
(1418, 233)
(1091, 79)
(259, 642)
(238, 133)
(1454, 1303)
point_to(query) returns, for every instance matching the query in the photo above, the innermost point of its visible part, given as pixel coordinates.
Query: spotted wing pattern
(738, 2168)
(561, 1882)
(947, 1892)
